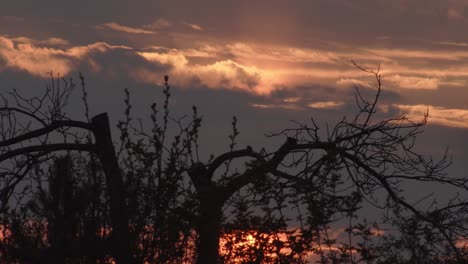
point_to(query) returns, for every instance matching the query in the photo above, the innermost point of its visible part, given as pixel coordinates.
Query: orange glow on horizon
(249, 241)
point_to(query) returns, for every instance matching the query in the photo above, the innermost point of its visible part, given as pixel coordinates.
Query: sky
(266, 61)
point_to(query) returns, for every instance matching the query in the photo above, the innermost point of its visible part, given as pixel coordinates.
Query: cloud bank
(256, 68)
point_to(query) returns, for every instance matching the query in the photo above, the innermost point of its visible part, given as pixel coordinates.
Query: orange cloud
(350, 82)
(160, 23)
(125, 29)
(256, 68)
(220, 74)
(238, 67)
(292, 99)
(437, 115)
(224, 73)
(52, 41)
(409, 82)
(276, 106)
(24, 54)
(277, 66)
(56, 41)
(449, 55)
(174, 58)
(452, 43)
(279, 54)
(35, 60)
(326, 105)
(194, 26)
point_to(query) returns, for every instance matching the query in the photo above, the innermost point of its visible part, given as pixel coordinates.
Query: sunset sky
(267, 62)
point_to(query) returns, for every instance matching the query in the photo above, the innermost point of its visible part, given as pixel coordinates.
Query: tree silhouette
(161, 203)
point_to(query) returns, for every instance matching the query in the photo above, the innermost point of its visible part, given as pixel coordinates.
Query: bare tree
(163, 197)
(25, 145)
(364, 154)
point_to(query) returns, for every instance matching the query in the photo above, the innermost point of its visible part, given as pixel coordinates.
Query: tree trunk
(209, 230)
(121, 246)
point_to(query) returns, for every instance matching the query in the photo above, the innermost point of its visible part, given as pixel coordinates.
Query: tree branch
(397, 199)
(47, 149)
(218, 161)
(45, 130)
